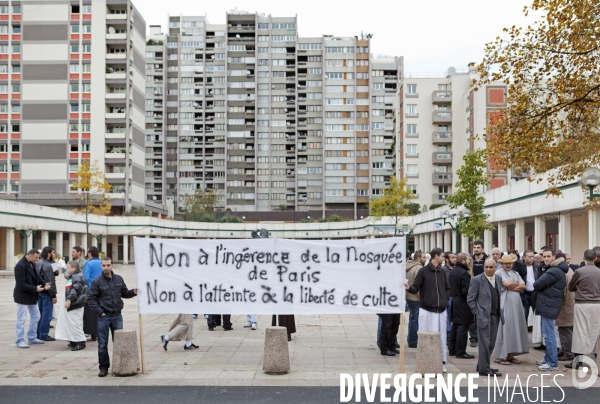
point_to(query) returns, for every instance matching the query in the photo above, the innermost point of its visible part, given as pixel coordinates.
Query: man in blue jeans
(105, 299)
(412, 301)
(46, 298)
(549, 288)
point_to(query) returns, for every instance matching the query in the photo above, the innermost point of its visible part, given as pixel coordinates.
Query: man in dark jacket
(479, 257)
(550, 287)
(27, 286)
(105, 299)
(47, 298)
(450, 262)
(432, 285)
(461, 312)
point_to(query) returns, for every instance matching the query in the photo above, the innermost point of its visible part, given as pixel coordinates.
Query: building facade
(265, 119)
(71, 89)
(441, 118)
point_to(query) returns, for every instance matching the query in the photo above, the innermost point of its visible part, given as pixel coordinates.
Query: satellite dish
(157, 66)
(212, 56)
(237, 35)
(285, 109)
(248, 72)
(111, 30)
(156, 125)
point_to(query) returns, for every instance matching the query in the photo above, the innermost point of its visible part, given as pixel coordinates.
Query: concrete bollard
(125, 357)
(429, 353)
(276, 359)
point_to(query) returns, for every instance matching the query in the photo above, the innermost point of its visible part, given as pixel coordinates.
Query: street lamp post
(17, 193)
(591, 178)
(466, 213)
(98, 235)
(402, 227)
(26, 231)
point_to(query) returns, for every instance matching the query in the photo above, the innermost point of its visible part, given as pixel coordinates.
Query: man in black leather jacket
(47, 298)
(105, 298)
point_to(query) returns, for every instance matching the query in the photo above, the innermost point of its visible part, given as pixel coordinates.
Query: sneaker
(194, 316)
(444, 369)
(22, 344)
(540, 362)
(547, 367)
(36, 341)
(254, 326)
(164, 341)
(248, 325)
(49, 338)
(206, 316)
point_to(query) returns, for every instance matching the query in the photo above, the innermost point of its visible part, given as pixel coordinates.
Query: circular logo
(587, 370)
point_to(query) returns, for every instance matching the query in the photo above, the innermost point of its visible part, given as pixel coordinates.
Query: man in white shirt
(496, 254)
(532, 275)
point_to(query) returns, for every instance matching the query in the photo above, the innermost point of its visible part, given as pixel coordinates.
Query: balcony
(116, 56)
(114, 156)
(116, 36)
(115, 176)
(441, 117)
(114, 135)
(442, 179)
(115, 115)
(441, 137)
(441, 97)
(115, 96)
(116, 76)
(442, 158)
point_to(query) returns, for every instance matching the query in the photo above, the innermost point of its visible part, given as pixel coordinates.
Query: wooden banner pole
(401, 342)
(142, 344)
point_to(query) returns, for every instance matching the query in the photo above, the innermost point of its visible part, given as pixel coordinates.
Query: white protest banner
(270, 276)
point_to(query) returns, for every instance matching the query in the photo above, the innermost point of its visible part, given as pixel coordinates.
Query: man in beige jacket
(564, 322)
(412, 301)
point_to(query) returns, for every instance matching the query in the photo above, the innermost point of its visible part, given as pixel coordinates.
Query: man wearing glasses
(105, 299)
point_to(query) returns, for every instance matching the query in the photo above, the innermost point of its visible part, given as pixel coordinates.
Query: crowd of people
(492, 299)
(92, 304)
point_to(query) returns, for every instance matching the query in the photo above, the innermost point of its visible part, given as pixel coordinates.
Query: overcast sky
(432, 35)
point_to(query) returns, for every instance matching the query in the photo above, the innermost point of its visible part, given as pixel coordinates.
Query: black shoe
(494, 370)
(164, 342)
(211, 328)
(289, 337)
(49, 338)
(397, 346)
(79, 346)
(570, 365)
(72, 344)
(451, 353)
(228, 328)
(465, 356)
(102, 372)
(191, 346)
(490, 373)
(473, 344)
(396, 350)
(412, 346)
(94, 337)
(540, 348)
(51, 326)
(388, 353)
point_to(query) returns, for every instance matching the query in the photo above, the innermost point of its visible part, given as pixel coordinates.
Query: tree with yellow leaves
(395, 202)
(92, 188)
(552, 71)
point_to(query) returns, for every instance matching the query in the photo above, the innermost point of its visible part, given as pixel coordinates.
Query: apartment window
(3, 49)
(14, 168)
(16, 109)
(412, 170)
(362, 76)
(378, 86)
(263, 26)
(16, 29)
(3, 9)
(412, 188)
(74, 48)
(87, 29)
(411, 129)
(16, 88)
(74, 128)
(86, 9)
(86, 88)
(442, 189)
(16, 10)
(284, 25)
(411, 109)
(3, 166)
(411, 89)
(16, 49)
(87, 48)
(411, 150)
(74, 29)
(443, 87)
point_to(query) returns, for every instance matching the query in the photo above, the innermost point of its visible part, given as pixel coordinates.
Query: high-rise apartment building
(71, 89)
(266, 119)
(441, 118)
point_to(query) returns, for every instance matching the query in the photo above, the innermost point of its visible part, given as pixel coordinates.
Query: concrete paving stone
(307, 375)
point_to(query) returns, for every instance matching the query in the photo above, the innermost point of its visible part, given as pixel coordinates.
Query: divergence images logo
(588, 368)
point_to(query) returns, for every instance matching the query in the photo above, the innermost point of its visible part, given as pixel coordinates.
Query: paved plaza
(323, 347)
